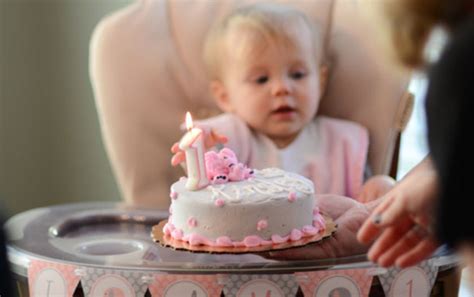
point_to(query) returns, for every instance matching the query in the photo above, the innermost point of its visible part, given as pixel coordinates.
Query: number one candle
(192, 144)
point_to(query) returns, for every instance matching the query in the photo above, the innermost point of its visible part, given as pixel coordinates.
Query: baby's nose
(281, 87)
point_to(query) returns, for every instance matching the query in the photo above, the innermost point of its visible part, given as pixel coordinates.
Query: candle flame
(189, 121)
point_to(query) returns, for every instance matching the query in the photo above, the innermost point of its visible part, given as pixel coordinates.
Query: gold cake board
(167, 241)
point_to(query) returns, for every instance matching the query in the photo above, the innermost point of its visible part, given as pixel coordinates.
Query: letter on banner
(48, 279)
(416, 281)
(109, 282)
(353, 282)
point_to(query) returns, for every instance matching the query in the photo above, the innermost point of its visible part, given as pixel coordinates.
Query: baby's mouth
(284, 112)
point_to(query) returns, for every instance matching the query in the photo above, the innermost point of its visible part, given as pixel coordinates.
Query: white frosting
(239, 210)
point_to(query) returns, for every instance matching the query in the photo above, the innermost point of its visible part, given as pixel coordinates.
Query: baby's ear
(221, 96)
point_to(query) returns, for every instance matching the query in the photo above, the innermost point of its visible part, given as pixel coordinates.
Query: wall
(51, 150)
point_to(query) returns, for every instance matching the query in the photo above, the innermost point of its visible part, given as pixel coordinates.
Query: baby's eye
(297, 74)
(261, 79)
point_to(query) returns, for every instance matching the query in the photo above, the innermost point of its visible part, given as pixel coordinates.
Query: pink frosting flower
(177, 234)
(262, 224)
(278, 239)
(192, 222)
(292, 196)
(219, 202)
(252, 240)
(295, 235)
(224, 241)
(173, 195)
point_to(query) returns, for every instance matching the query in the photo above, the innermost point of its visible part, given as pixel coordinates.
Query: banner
(118, 283)
(332, 283)
(415, 281)
(171, 285)
(51, 279)
(274, 285)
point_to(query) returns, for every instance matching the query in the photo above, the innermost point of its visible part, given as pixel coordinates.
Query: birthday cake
(242, 207)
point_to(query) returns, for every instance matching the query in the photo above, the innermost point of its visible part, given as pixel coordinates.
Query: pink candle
(192, 144)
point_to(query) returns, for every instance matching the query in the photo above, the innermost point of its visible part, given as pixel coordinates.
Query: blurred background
(51, 150)
(50, 146)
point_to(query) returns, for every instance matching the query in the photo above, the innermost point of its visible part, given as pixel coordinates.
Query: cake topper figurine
(192, 144)
(223, 167)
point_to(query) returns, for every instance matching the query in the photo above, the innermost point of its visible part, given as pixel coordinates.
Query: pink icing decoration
(316, 210)
(219, 202)
(192, 222)
(168, 228)
(262, 224)
(292, 196)
(310, 230)
(318, 221)
(295, 235)
(278, 239)
(170, 210)
(177, 233)
(195, 239)
(173, 195)
(224, 241)
(252, 240)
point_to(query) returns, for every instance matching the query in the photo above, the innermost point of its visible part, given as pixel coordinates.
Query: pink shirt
(331, 152)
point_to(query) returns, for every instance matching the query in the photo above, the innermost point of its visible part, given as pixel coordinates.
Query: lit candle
(192, 144)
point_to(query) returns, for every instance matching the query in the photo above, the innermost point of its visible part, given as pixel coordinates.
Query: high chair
(147, 71)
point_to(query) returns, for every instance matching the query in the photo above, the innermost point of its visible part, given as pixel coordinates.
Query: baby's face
(276, 90)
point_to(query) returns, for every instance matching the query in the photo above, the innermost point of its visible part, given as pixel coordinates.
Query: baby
(264, 63)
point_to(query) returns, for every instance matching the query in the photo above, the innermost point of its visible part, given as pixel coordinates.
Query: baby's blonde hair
(267, 23)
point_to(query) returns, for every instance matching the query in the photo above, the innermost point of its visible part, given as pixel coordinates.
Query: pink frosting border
(319, 225)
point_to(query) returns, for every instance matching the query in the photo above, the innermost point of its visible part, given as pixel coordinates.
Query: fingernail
(377, 219)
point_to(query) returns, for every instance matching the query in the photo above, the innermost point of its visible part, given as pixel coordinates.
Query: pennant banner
(413, 281)
(351, 283)
(170, 285)
(51, 279)
(105, 282)
(275, 285)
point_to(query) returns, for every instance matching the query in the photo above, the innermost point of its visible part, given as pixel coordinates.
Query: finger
(178, 158)
(221, 138)
(388, 238)
(393, 213)
(423, 250)
(334, 205)
(371, 227)
(403, 246)
(175, 148)
(215, 138)
(368, 232)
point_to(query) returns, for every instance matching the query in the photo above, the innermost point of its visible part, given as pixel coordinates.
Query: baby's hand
(211, 138)
(375, 187)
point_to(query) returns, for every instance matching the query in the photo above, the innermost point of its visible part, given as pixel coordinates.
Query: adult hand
(349, 215)
(400, 225)
(211, 138)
